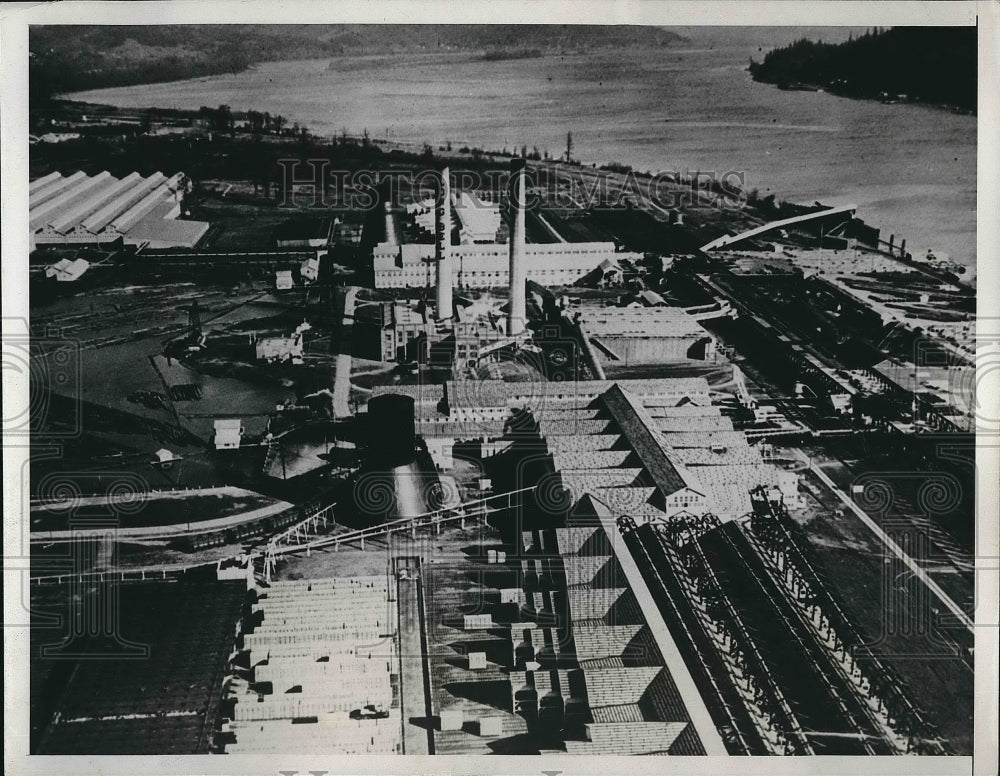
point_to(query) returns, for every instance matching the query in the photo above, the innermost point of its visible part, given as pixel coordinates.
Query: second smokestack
(516, 315)
(442, 227)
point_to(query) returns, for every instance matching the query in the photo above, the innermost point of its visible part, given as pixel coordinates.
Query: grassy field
(241, 224)
(891, 610)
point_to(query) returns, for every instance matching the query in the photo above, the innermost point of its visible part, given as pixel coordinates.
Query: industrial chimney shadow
(496, 578)
(491, 692)
(522, 743)
(498, 651)
(427, 723)
(479, 552)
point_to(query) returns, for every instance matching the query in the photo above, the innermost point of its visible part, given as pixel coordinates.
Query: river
(691, 106)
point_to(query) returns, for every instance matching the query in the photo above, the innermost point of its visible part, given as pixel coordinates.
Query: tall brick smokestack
(517, 317)
(442, 228)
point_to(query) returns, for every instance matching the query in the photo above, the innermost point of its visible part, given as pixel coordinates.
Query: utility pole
(569, 147)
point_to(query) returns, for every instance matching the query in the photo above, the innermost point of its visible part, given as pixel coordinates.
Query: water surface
(911, 169)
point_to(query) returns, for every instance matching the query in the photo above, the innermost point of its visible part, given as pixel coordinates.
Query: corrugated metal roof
(684, 411)
(70, 217)
(70, 197)
(45, 180)
(727, 488)
(703, 456)
(705, 439)
(143, 198)
(129, 189)
(81, 206)
(175, 232)
(640, 322)
(573, 444)
(629, 417)
(52, 188)
(652, 298)
(494, 393)
(692, 423)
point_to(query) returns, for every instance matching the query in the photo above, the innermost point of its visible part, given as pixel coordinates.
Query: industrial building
(322, 648)
(67, 270)
(280, 349)
(491, 401)
(627, 336)
(309, 270)
(228, 432)
(681, 445)
(478, 221)
(283, 280)
(482, 265)
(569, 650)
(475, 220)
(614, 440)
(647, 507)
(477, 261)
(93, 210)
(405, 327)
(470, 333)
(650, 476)
(594, 664)
(476, 331)
(566, 650)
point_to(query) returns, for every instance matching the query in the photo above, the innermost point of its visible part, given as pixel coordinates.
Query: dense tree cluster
(926, 64)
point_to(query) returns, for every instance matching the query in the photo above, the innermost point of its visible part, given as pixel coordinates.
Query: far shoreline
(411, 146)
(898, 99)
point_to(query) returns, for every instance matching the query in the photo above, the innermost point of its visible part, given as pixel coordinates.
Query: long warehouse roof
(80, 207)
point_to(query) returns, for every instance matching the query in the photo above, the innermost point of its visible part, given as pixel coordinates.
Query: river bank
(910, 169)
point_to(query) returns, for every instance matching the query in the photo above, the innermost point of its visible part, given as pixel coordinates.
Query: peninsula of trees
(935, 65)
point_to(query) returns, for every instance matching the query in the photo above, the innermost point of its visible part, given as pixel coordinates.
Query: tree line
(923, 64)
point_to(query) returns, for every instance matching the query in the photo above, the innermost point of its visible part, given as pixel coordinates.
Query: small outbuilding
(309, 269)
(283, 280)
(228, 432)
(67, 270)
(164, 458)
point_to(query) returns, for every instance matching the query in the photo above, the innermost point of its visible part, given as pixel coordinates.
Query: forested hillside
(923, 64)
(65, 59)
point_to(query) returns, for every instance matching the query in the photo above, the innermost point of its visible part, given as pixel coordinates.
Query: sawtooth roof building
(482, 257)
(485, 265)
(591, 642)
(614, 439)
(78, 209)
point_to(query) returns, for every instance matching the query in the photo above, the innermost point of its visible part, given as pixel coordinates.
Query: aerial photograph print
(498, 389)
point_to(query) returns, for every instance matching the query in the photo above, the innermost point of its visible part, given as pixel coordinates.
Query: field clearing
(891, 610)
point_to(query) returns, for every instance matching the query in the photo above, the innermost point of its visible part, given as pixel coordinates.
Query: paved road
(342, 379)
(414, 701)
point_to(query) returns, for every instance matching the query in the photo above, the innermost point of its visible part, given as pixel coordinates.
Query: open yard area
(902, 622)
